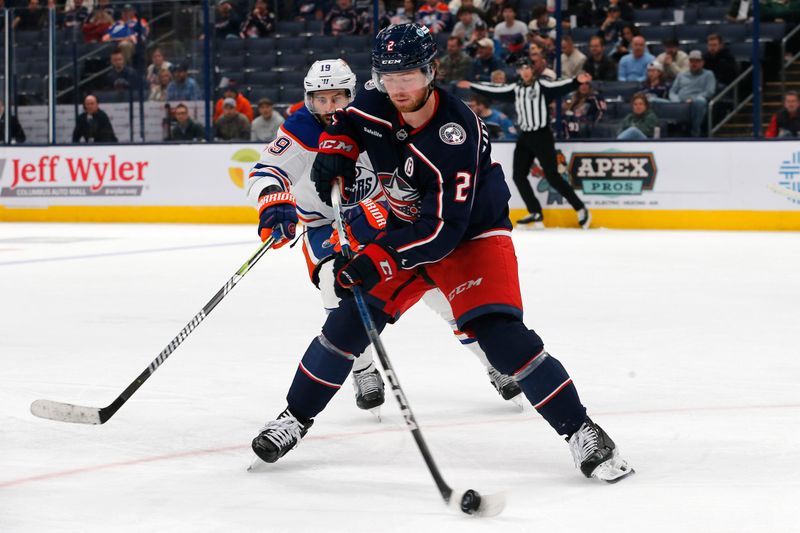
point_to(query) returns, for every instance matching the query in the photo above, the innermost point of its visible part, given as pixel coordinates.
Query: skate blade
(517, 400)
(258, 466)
(613, 470)
(377, 412)
(491, 504)
(535, 226)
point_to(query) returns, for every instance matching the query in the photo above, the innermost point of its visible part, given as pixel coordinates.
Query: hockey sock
(321, 372)
(517, 351)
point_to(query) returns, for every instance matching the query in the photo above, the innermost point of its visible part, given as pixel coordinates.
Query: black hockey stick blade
(474, 504)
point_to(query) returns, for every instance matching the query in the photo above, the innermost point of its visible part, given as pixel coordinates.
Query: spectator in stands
(435, 16)
(454, 65)
(625, 10)
(786, 122)
(633, 66)
(158, 92)
(309, 10)
(499, 77)
(500, 127)
(227, 24)
(695, 86)
(465, 25)
(538, 62)
(542, 27)
(403, 14)
(654, 87)
(740, 11)
(121, 77)
(157, 64)
(478, 7)
(76, 15)
(266, 124)
(182, 86)
(510, 33)
(719, 60)
(259, 23)
(611, 27)
(97, 26)
(230, 89)
(93, 125)
(640, 123)
(780, 11)
(185, 128)
(572, 59)
(342, 19)
(485, 61)
(481, 31)
(623, 45)
(127, 31)
(31, 18)
(69, 5)
(598, 64)
(494, 12)
(105, 5)
(581, 111)
(232, 125)
(14, 127)
(673, 59)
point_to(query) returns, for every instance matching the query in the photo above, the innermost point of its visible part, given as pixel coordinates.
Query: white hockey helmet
(326, 75)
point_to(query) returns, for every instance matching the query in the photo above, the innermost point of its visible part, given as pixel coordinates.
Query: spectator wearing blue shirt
(500, 127)
(695, 86)
(127, 32)
(633, 66)
(182, 87)
(485, 61)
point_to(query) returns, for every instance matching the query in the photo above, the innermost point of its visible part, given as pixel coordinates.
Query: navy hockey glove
(373, 265)
(363, 223)
(336, 159)
(277, 216)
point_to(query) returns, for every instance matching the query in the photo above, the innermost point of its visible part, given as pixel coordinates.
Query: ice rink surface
(683, 345)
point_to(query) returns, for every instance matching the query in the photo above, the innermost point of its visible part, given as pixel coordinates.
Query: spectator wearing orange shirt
(243, 105)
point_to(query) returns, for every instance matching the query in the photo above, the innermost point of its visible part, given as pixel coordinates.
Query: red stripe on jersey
(369, 117)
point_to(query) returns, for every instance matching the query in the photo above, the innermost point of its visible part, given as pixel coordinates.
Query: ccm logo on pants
(463, 287)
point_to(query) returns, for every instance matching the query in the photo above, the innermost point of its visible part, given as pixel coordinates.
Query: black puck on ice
(470, 501)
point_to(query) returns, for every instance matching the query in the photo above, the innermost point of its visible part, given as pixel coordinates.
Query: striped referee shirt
(530, 101)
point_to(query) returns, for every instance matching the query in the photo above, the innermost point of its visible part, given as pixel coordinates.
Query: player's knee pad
(344, 329)
(507, 342)
(321, 372)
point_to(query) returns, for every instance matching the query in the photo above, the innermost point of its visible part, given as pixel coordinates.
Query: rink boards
(679, 185)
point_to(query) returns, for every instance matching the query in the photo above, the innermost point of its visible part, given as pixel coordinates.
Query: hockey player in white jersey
(280, 187)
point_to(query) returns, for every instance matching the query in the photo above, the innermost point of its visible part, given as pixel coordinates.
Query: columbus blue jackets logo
(403, 198)
(452, 133)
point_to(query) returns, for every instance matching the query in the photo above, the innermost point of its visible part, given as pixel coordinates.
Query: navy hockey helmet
(403, 47)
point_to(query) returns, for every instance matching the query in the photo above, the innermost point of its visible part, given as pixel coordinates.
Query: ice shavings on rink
(682, 344)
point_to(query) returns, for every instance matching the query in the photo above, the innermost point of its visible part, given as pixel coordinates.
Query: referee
(530, 95)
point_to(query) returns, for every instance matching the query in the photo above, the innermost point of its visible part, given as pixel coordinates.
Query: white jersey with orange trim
(286, 162)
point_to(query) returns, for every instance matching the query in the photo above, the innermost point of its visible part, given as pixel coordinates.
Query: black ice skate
(584, 218)
(505, 385)
(532, 221)
(596, 454)
(368, 384)
(279, 436)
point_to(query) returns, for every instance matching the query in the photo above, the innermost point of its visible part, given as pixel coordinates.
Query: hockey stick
(468, 501)
(67, 412)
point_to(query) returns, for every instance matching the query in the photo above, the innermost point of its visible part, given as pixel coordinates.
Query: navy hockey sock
(517, 351)
(319, 376)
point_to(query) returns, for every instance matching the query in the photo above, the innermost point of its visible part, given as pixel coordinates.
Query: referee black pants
(539, 145)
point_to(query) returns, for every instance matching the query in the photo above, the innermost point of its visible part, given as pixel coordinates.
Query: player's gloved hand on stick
(336, 158)
(363, 224)
(277, 215)
(374, 264)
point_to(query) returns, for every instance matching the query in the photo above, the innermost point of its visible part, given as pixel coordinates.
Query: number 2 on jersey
(463, 183)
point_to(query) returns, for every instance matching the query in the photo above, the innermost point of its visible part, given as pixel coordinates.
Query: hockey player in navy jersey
(448, 228)
(279, 186)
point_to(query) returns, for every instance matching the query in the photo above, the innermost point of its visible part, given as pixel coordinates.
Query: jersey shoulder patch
(304, 128)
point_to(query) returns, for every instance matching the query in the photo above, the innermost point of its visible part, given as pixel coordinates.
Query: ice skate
(584, 218)
(368, 385)
(279, 436)
(596, 454)
(504, 385)
(532, 221)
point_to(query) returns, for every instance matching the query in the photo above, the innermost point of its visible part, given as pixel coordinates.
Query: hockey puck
(470, 501)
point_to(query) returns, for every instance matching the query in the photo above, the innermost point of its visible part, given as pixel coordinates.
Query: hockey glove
(363, 223)
(373, 265)
(277, 216)
(336, 159)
